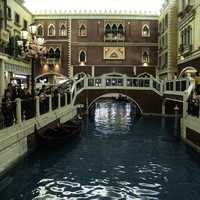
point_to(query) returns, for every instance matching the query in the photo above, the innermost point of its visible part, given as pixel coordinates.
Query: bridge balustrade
(124, 82)
(177, 85)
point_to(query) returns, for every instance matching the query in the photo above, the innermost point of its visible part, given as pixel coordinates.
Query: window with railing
(9, 13)
(51, 30)
(186, 39)
(114, 32)
(63, 31)
(83, 30)
(17, 19)
(40, 30)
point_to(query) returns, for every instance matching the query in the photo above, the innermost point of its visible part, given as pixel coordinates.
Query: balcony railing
(51, 61)
(185, 49)
(114, 37)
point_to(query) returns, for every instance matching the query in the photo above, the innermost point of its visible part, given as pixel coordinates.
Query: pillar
(93, 70)
(59, 103)
(176, 120)
(163, 107)
(65, 99)
(50, 103)
(2, 78)
(18, 111)
(37, 106)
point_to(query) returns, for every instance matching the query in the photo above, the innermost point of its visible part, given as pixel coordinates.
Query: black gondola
(61, 134)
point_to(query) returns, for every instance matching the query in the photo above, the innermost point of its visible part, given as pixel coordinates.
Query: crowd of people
(8, 105)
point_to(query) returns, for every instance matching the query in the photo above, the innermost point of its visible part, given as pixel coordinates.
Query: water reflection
(117, 158)
(113, 117)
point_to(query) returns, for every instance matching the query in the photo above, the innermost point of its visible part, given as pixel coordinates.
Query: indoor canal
(119, 156)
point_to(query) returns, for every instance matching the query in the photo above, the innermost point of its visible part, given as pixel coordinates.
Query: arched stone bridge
(148, 93)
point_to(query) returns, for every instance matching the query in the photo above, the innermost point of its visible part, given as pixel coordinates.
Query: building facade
(13, 68)
(98, 43)
(167, 45)
(188, 59)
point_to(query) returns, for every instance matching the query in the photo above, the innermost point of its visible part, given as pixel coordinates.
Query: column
(2, 78)
(50, 103)
(93, 70)
(163, 107)
(18, 111)
(37, 106)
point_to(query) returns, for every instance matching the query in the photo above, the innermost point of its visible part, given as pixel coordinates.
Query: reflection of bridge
(148, 93)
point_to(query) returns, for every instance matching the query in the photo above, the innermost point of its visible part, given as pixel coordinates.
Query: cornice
(107, 14)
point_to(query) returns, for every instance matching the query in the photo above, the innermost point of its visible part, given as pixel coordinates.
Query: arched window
(114, 29)
(40, 30)
(51, 30)
(83, 30)
(120, 29)
(57, 53)
(51, 53)
(145, 31)
(108, 29)
(63, 31)
(82, 56)
(145, 58)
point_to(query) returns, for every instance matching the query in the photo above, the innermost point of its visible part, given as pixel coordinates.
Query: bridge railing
(125, 82)
(176, 86)
(25, 109)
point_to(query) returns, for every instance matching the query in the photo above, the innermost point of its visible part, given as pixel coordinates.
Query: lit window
(63, 31)
(83, 30)
(145, 58)
(145, 31)
(82, 57)
(51, 30)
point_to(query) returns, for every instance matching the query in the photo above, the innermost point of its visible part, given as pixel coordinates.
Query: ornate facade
(188, 36)
(98, 43)
(167, 38)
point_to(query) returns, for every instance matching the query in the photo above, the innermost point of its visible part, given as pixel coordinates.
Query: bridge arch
(186, 70)
(115, 95)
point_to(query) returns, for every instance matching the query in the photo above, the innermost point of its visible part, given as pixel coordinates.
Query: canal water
(118, 157)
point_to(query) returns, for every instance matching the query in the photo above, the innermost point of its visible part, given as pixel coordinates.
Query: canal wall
(190, 131)
(15, 141)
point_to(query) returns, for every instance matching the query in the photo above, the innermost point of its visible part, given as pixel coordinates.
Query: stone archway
(115, 95)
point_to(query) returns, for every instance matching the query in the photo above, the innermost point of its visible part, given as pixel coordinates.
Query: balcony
(4, 36)
(185, 49)
(186, 14)
(110, 37)
(53, 61)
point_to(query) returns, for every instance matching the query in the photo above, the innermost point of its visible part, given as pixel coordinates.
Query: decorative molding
(112, 44)
(106, 14)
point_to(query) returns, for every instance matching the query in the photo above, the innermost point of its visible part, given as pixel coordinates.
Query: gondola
(55, 136)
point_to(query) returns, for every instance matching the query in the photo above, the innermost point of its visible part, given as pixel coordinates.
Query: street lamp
(32, 48)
